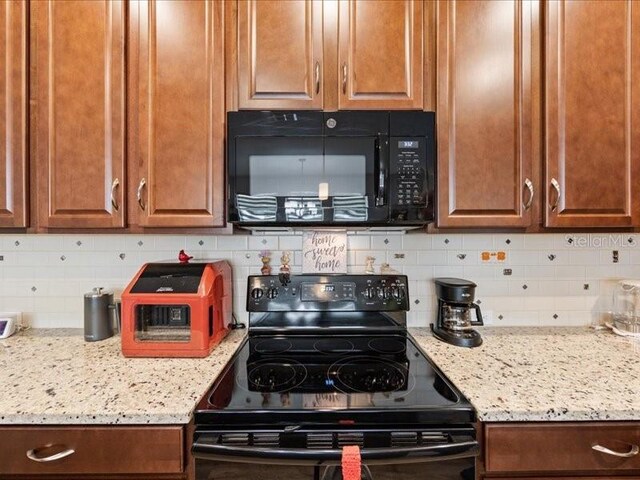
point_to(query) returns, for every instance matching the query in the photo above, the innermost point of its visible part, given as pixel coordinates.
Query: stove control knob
(397, 293)
(257, 293)
(272, 293)
(386, 293)
(370, 293)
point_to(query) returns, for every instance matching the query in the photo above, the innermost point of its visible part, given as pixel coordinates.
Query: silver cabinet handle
(33, 454)
(141, 186)
(529, 184)
(344, 78)
(114, 201)
(556, 185)
(317, 77)
(633, 451)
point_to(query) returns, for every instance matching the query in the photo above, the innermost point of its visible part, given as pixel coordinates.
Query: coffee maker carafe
(455, 303)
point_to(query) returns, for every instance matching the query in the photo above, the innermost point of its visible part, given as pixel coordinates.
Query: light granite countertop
(518, 374)
(55, 377)
(543, 374)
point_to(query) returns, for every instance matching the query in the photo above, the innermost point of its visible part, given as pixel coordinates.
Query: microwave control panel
(408, 171)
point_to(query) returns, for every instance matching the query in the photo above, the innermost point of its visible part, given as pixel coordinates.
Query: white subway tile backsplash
(109, 243)
(386, 242)
(478, 242)
(263, 242)
(379, 255)
(539, 241)
(508, 241)
(201, 242)
(433, 257)
(45, 276)
(447, 242)
(290, 242)
(358, 242)
(233, 242)
(417, 241)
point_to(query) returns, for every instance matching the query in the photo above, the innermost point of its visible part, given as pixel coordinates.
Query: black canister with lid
(98, 318)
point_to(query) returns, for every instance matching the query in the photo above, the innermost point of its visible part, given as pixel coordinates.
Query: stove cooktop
(344, 380)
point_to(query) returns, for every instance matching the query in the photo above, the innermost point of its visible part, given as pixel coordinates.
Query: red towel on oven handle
(351, 463)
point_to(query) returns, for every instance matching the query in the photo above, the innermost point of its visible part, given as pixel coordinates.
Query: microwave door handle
(423, 453)
(382, 174)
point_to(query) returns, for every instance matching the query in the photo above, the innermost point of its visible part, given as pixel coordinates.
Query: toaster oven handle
(468, 447)
(382, 173)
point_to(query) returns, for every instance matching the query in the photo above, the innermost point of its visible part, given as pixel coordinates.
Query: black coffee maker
(455, 302)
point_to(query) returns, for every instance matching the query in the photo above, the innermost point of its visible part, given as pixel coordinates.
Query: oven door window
(304, 179)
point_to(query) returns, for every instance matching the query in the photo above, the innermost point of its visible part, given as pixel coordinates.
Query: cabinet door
(80, 105)
(280, 54)
(485, 81)
(180, 113)
(13, 108)
(380, 54)
(592, 91)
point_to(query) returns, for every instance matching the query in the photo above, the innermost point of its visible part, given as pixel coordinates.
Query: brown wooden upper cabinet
(310, 54)
(380, 54)
(486, 80)
(280, 54)
(13, 113)
(79, 105)
(177, 113)
(592, 76)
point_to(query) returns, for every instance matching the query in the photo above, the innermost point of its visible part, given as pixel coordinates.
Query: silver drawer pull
(114, 201)
(33, 454)
(529, 184)
(633, 451)
(556, 186)
(141, 186)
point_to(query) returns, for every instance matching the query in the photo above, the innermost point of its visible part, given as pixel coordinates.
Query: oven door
(247, 456)
(455, 469)
(308, 180)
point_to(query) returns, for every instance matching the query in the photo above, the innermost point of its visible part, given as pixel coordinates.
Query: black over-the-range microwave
(346, 169)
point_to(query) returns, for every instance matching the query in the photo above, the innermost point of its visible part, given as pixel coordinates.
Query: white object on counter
(8, 327)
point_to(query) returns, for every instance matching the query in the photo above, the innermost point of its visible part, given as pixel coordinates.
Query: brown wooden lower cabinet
(560, 450)
(80, 452)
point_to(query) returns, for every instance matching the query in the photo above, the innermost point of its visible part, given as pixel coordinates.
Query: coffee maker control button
(272, 293)
(257, 293)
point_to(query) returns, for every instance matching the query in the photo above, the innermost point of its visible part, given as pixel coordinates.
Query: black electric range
(327, 363)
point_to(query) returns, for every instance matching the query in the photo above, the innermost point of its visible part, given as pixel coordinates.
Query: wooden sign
(324, 252)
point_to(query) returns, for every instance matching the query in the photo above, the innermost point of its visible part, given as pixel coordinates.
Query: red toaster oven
(177, 309)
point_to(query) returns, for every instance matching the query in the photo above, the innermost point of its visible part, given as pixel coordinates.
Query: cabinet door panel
(280, 54)
(80, 113)
(97, 450)
(13, 108)
(180, 113)
(485, 113)
(380, 54)
(592, 90)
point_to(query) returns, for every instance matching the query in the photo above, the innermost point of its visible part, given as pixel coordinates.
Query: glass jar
(626, 306)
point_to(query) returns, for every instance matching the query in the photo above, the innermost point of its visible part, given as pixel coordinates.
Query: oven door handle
(441, 452)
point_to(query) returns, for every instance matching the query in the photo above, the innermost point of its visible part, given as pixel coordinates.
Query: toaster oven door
(162, 323)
